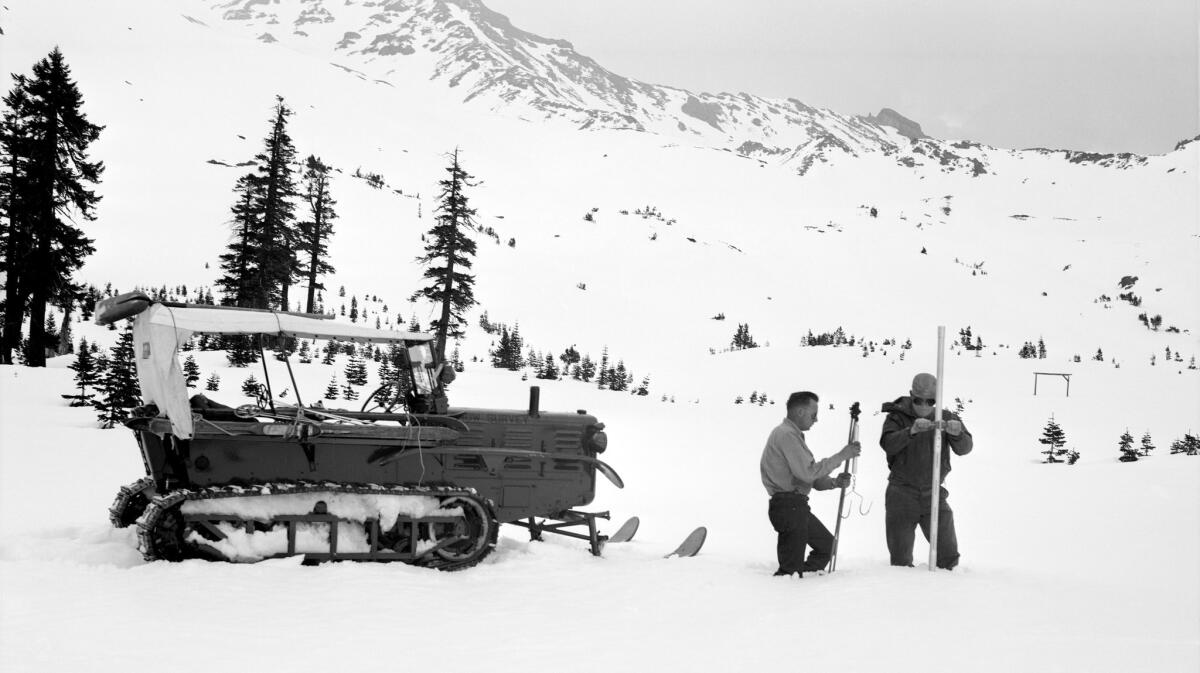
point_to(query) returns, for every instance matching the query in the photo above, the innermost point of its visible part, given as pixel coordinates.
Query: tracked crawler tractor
(405, 478)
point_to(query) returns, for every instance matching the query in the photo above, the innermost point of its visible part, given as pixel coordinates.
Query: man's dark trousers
(907, 507)
(798, 528)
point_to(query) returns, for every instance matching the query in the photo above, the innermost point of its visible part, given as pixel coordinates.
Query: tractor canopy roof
(189, 318)
(160, 328)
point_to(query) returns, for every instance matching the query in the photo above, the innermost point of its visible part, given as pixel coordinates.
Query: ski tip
(627, 530)
(691, 544)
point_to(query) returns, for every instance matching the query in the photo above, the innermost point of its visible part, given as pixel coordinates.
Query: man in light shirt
(789, 472)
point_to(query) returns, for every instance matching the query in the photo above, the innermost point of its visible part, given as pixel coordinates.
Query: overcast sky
(1096, 75)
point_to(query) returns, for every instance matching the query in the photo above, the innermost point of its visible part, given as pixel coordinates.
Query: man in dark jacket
(907, 440)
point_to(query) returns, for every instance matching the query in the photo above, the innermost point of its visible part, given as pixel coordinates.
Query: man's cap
(924, 385)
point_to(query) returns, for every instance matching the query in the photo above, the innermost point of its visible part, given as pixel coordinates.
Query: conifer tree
(119, 389)
(515, 345)
(213, 383)
(277, 234)
(569, 357)
(315, 231)
(742, 338)
(86, 375)
(1147, 444)
(1128, 453)
(240, 349)
(349, 392)
(618, 377)
(603, 373)
(587, 369)
(191, 372)
(448, 253)
(250, 386)
(44, 141)
(1041, 349)
(241, 286)
(331, 350)
(356, 372)
(548, 370)
(500, 352)
(1054, 439)
(456, 359)
(331, 390)
(644, 388)
(305, 353)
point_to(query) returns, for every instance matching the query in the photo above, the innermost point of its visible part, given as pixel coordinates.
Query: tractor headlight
(597, 441)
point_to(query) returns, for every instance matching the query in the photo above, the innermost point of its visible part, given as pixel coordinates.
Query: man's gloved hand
(842, 480)
(921, 425)
(851, 450)
(954, 428)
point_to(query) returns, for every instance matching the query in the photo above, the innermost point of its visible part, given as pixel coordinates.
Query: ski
(627, 530)
(691, 544)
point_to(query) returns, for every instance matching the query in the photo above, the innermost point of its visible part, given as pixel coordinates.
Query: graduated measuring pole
(851, 466)
(937, 452)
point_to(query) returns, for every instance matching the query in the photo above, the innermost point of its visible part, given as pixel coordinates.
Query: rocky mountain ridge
(469, 47)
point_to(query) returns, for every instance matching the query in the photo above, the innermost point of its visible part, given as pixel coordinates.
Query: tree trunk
(14, 294)
(444, 321)
(312, 263)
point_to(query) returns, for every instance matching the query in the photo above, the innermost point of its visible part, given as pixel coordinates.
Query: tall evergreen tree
(1147, 444)
(618, 378)
(1054, 439)
(239, 285)
(119, 387)
(356, 371)
(44, 139)
(213, 383)
(250, 386)
(86, 375)
(314, 232)
(602, 378)
(1128, 452)
(15, 228)
(240, 349)
(548, 370)
(191, 371)
(277, 235)
(448, 252)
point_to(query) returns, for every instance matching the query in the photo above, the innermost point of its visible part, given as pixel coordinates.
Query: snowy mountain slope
(464, 45)
(727, 234)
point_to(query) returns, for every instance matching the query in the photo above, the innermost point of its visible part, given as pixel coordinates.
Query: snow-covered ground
(1090, 567)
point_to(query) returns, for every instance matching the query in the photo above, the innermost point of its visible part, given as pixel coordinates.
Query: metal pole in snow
(937, 453)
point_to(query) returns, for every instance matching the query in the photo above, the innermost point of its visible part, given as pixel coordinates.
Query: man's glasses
(924, 401)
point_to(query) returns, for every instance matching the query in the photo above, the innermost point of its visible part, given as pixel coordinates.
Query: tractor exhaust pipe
(535, 394)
